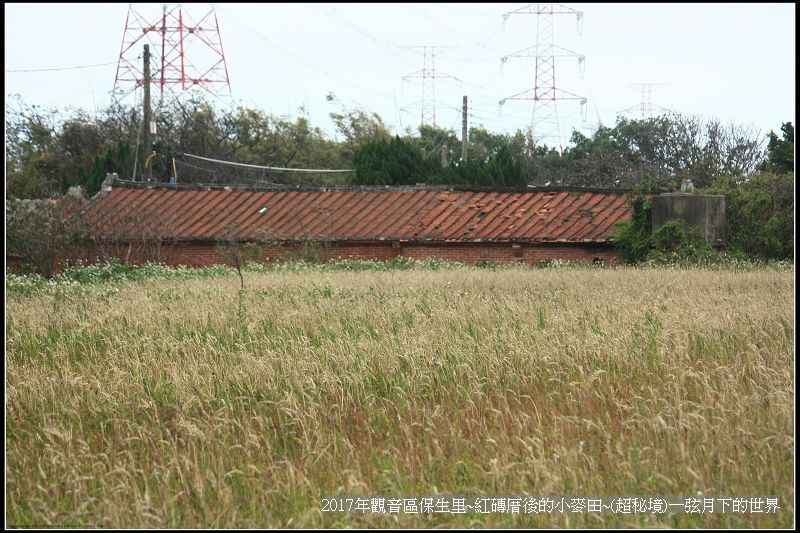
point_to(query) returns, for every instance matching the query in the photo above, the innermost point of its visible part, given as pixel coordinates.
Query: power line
(458, 34)
(499, 112)
(508, 125)
(245, 165)
(63, 68)
(303, 61)
(332, 12)
(240, 178)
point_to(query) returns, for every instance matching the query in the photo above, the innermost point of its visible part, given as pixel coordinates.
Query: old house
(183, 224)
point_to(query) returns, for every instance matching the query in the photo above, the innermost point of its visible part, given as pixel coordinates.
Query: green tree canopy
(780, 152)
(49, 150)
(390, 162)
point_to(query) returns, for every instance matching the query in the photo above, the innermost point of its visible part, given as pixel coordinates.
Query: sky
(732, 62)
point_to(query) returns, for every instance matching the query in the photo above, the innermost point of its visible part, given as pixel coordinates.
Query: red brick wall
(572, 252)
(199, 254)
(472, 253)
(203, 254)
(469, 253)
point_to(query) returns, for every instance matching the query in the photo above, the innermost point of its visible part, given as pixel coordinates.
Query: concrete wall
(704, 211)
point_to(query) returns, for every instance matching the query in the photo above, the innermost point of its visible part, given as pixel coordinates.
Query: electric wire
(276, 169)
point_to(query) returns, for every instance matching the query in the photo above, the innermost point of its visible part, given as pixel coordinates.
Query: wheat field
(178, 403)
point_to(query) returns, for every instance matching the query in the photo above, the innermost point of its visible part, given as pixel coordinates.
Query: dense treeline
(48, 151)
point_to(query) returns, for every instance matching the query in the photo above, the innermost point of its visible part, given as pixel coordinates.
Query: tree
(504, 170)
(401, 162)
(390, 162)
(664, 150)
(249, 136)
(759, 214)
(432, 139)
(115, 159)
(780, 152)
(33, 161)
(483, 144)
(41, 233)
(469, 172)
(633, 236)
(357, 125)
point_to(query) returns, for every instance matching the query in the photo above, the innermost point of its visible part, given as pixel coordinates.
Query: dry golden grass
(165, 404)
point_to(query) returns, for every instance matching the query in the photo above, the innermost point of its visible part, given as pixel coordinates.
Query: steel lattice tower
(545, 93)
(646, 107)
(429, 76)
(174, 38)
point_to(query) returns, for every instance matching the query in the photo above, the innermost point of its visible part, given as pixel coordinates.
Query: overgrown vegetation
(780, 151)
(677, 242)
(39, 233)
(114, 271)
(673, 244)
(49, 150)
(156, 404)
(633, 238)
(759, 214)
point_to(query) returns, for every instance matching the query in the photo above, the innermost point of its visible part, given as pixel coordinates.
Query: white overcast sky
(735, 62)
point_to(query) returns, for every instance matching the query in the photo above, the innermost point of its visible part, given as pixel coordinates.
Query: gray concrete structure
(705, 211)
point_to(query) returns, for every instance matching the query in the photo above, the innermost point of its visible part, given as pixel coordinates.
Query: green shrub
(675, 236)
(673, 242)
(759, 214)
(633, 236)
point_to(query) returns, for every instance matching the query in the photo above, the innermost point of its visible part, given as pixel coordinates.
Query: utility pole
(464, 130)
(148, 144)
(444, 155)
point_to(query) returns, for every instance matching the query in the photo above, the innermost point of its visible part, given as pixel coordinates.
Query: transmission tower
(646, 107)
(545, 93)
(429, 76)
(185, 53)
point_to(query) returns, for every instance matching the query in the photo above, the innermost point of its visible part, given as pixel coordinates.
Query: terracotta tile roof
(443, 215)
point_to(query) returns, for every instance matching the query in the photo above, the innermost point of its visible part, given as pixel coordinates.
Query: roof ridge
(127, 184)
